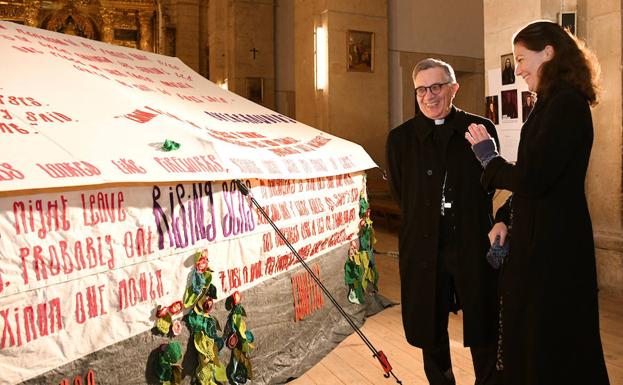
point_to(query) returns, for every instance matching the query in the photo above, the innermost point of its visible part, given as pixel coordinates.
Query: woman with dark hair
(550, 318)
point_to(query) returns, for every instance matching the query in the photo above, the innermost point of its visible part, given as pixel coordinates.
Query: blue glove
(485, 151)
(497, 254)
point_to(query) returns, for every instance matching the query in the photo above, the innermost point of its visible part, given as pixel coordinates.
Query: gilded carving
(31, 13)
(129, 44)
(11, 12)
(126, 19)
(150, 2)
(71, 21)
(93, 19)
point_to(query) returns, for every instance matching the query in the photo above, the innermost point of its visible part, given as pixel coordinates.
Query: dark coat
(416, 182)
(549, 286)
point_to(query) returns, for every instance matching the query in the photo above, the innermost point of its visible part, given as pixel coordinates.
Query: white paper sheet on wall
(509, 128)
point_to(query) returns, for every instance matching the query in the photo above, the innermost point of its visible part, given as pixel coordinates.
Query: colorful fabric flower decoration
(176, 328)
(239, 340)
(360, 271)
(199, 297)
(176, 307)
(168, 367)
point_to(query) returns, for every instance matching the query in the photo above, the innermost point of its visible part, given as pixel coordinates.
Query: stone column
(253, 52)
(600, 24)
(186, 20)
(220, 51)
(107, 27)
(144, 19)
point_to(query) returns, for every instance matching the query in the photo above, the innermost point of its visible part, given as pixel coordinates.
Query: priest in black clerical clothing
(446, 215)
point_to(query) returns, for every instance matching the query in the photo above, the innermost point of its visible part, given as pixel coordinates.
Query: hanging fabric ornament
(200, 295)
(200, 282)
(169, 368)
(239, 340)
(360, 271)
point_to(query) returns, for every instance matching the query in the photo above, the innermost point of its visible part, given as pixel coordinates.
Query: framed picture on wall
(527, 103)
(255, 89)
(508, 69)
(509, 104)
(360, 49)
(567, 21)
(491, 108)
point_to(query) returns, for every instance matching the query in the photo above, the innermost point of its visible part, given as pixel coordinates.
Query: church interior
(344, 67)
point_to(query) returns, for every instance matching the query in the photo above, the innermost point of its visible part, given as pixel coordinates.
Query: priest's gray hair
(435, 63)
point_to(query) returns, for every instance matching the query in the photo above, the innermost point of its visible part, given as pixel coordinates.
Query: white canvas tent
(98, 222)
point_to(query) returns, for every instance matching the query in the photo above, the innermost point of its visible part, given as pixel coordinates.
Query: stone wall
(185, 18)
(451, 31)
(354, 105)
(358, 101)
(285, 102)
(232, 42)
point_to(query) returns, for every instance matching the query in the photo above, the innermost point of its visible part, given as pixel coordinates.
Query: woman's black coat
(416, 180)
(549, 286)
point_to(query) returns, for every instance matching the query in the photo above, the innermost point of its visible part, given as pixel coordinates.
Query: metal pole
(379, 355)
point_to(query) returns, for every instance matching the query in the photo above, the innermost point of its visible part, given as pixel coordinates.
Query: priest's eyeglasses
(434, 89)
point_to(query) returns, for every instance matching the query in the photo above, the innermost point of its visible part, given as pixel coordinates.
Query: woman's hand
(499, 229)
(476, 133)
(483, 145)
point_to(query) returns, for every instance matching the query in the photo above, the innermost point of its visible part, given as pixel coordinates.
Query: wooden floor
(351, 361)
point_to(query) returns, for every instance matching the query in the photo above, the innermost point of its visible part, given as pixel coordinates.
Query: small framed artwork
(527, 103)
(567, 21)
(360, 49)
(491, 108)
(509, 104)
(255, 89)
(508, 69)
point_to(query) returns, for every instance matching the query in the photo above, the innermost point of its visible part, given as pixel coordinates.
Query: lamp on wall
(322, 57)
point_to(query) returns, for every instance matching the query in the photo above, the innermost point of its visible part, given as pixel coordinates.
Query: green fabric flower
(239, 340)
(170, 145)
(202, 323)
(167, 368)
(198, 282)
(360, 271)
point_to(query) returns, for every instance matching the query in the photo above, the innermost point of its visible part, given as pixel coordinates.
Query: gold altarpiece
(131, 23)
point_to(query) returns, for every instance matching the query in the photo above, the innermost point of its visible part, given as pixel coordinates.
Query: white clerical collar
(439, 122)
